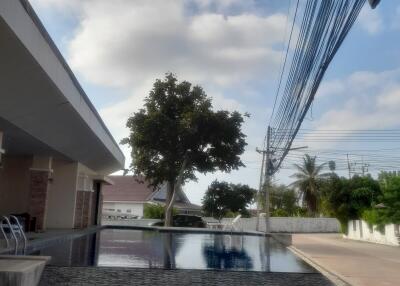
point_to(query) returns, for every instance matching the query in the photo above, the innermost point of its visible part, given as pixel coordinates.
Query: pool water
(172, 250)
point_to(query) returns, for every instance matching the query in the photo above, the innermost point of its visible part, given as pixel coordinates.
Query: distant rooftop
(137, 189)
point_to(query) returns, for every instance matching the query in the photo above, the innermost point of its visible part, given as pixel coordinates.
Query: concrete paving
(18, 270)
(357, 263)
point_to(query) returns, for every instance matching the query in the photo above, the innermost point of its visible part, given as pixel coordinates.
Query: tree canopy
(283, 201)
(178, 133)
(359, 197)
(390, 185)
(222, 197)
(387, 209)
(347, 199)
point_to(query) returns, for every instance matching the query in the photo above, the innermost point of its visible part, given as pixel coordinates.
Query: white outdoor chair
(233, 225)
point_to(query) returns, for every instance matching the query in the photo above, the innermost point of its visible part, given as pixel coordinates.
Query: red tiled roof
(127, 188)
(135, 188)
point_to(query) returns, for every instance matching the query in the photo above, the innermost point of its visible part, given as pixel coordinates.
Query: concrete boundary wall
(278, 224)
(288, 224)
(360, 230)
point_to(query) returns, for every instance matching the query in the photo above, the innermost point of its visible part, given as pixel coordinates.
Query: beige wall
(62, 190)
(14, 184)
(62, 195)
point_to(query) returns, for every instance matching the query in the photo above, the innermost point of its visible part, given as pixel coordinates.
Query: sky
(233, 49)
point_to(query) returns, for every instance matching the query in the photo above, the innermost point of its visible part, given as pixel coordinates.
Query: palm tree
(307, 176)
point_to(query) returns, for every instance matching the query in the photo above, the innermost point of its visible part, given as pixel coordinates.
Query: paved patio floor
(357, 263)
(99, 276)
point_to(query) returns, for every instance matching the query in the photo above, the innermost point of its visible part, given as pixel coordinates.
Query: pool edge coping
(332, 276)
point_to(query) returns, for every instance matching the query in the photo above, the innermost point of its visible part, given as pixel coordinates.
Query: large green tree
(348, 199)
(222, 197)
(390, 185)
(283, 201)
(387, 206)
(307, 178)
(178, 133)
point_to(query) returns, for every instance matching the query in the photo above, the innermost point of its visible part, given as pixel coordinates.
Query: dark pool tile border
(314, 270)
(54, 275)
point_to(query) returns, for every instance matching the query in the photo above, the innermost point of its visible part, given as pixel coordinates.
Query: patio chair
(232, 225)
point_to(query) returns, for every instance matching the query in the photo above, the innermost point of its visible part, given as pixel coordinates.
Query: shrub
(155, 211)
(280, 213)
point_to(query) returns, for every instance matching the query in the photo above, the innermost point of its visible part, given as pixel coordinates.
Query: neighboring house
(128, 195)
(55, 150)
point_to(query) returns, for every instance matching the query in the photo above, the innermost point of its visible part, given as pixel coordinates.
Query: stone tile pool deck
(100, 276)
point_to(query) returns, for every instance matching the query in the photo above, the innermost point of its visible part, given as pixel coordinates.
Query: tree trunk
(168, 199)
(172, 189)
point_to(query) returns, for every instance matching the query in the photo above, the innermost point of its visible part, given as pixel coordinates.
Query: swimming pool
(174, 250)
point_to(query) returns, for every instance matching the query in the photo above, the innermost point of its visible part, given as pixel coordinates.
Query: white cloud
(223, 4)
(122, 43)
(129, 43)
(370, 20)
(365, 100)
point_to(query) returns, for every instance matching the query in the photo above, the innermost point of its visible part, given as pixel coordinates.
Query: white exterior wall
(62, 195)
(126, 208)
(67, 180)
(359, 230)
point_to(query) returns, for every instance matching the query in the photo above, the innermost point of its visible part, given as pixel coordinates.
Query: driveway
(357, 263)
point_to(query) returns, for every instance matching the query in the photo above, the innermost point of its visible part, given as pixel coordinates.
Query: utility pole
(260, 188)
(267, 180)
(364, 167)
(348, 165)
(265, 173)
(268, 171)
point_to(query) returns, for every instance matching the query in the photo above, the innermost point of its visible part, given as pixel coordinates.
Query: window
(354, 225)
(118, 210)
(111, 210)
(129, 211)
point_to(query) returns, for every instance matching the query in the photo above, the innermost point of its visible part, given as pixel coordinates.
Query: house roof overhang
(43, 109)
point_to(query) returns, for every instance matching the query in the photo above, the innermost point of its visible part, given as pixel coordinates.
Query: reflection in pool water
(169, 250)
(220, 254)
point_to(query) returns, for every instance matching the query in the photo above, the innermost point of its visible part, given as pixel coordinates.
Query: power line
(284, 62)
(323, 27)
